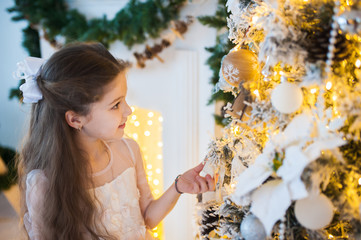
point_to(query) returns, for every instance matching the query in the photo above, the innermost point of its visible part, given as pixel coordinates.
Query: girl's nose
(127, 110)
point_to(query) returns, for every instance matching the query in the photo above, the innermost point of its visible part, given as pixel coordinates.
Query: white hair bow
(28, 69)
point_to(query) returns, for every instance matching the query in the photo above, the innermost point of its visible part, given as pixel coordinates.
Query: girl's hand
(191, 182)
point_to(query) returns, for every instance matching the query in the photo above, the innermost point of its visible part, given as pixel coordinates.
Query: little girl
(79, 178)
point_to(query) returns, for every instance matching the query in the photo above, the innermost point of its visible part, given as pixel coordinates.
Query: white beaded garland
(332, 40)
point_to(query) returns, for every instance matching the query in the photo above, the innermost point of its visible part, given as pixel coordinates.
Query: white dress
(123, 199)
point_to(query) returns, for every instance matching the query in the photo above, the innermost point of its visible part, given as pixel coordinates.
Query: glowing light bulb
(136, 123)
(158, 170)
(155, 234)
(334, 97)
(150, 114)
(150, 173)
(159, 156)
(313, 90)
(359, 181)
(256, 92)
(147, 133)
(156, 181)
(328, 85)
(133, 109)
(160, 119)
(358, 63)
(255, 19)
(149, 166)
(134, 117)
(135, 136)
(150, 122)
(155, 228)
(160, 144)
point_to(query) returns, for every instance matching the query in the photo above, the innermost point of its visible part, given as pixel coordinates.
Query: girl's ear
(74, 120)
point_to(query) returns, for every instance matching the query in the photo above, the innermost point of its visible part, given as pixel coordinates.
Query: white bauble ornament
(252, 228)
(314, 212)
(287, 97)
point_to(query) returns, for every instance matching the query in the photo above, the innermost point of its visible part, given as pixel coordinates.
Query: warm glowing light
(256, 92)
(328, 85)
(155, 228)
(135, 136)
(255, 19)
(233, 185)
(133, 109)
(330, 236)
(313, 90)
(334, 97)
(236, 130)
(305, 0)
(358, 63)
(145, 123)
(359, 181)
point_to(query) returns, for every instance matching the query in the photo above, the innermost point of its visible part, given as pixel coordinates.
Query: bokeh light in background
(145, 127)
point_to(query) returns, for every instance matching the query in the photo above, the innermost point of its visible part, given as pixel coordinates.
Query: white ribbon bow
(28, 69)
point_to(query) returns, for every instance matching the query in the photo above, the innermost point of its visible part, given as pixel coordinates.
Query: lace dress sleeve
(36, 186)
(142, 183)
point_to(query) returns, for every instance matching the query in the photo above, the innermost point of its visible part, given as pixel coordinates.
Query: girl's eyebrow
(115, 100)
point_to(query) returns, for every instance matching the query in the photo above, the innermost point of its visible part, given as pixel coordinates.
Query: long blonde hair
(72, 79)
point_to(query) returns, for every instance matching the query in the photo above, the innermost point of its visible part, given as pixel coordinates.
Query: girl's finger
(199, 168)
(196, 187)
(203, 184)
(210, 182)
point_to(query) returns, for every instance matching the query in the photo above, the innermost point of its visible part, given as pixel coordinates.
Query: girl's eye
(116, 106)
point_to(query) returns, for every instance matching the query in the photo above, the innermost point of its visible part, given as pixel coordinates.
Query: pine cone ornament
(209, 221)
(317, 46)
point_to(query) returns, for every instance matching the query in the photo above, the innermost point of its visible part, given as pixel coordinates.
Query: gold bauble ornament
(240, 65)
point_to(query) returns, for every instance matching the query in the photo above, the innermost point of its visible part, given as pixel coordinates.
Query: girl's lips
(122, 126)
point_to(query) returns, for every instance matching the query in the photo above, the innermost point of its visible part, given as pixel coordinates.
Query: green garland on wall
(222, 47)
(133, 24)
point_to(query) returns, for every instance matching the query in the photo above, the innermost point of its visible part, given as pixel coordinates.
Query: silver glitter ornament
(252, 228)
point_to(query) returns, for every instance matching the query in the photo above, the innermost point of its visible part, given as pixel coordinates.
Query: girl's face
(108, 116)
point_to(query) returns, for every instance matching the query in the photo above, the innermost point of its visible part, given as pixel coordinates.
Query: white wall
(12, 114)
(178, 88)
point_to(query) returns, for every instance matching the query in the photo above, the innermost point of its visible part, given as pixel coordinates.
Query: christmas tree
(289, 162)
